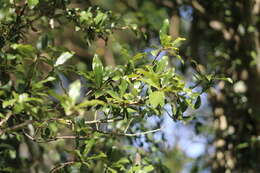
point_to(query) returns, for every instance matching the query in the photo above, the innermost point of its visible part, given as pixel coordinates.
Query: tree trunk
(237, 108)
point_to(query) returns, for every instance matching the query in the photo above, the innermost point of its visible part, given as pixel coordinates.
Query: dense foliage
(88, 84)
(100, 120)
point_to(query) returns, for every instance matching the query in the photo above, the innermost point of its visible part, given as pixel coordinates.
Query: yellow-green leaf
(156, 98)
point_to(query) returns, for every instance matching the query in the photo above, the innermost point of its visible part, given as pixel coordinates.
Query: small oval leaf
(197, 103)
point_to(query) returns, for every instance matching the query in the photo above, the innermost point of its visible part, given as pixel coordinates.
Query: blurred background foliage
(221, 36)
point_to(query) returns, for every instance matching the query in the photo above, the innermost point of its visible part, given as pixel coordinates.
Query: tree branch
(89, 135)
(129, 123)
(16, 127)
(131, 134)
(9, 114)
(104, 121)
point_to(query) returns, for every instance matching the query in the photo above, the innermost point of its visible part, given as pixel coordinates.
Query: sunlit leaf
(165, 28)
(178, 41)
(226, 79)
(74, 90)
(25, 49)
(147, 169)
(63, 58)
(162, 64)
(87, 103)
(32, 3)
(156, 98)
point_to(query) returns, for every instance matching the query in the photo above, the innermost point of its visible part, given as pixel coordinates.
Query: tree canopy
(85, 85)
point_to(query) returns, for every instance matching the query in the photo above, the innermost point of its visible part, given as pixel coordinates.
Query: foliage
(103, 111)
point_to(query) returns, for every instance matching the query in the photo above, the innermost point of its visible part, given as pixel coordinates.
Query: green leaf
(166, 40)
(242, 145)
(97, 67)
(151, 78)
(151, 82)
(50, 78)
(155, 52)
(23, 97)
(98, 156)
(148, 168)
(165, 28)
(123, 160)
(120, 163)
(32, 3)
(226, 79)
(162, 64)
(40, 84)
(177, 42)
(139, 56)
(164, 37)
(174, 109)
(112, 170)
(157, 98)
(2, 115)
(123, 86)
(63, 58)
(87, 103)
(85, 16)
(8, 169)
(114, 95)
(136, 168)
(77, 152)
(7, 103)
(25, 49)
(74, 91)
(229, 80)
(183, 105)
(197, 103)
(89, 144)
(100, 18)
(180, 58)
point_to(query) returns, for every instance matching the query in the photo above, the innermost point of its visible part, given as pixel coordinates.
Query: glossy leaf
(63, 58)
(162, 64)
(74, 90)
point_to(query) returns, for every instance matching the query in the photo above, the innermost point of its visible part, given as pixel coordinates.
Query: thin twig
(87, 136)
(88, 92)
(9, 114)
(159, 52)
(128, 125)
(62, 165)
(168, 113)
(55, 138)
(131, 134)
(19, 126)
(95, 118)
(103, 121)
(141, 133)
(156, 56)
